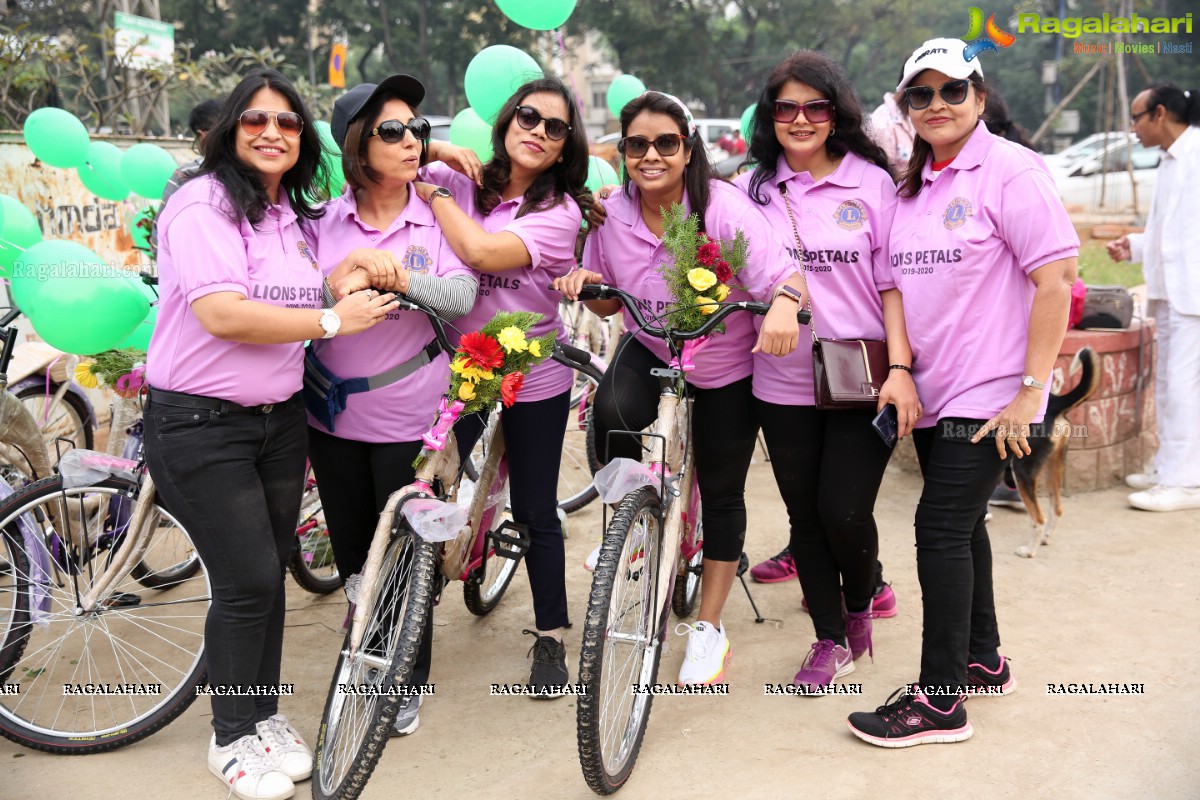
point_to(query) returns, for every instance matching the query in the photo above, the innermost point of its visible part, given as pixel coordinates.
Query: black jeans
(234, 480)
(954, 556)
(828, 465)
(724, 431)
(355, 480)
(533, 441)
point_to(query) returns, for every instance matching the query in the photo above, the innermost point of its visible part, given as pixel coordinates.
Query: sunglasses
(953, 92)
(666, 144)
(254, 121)
(556, 129)
(393, 130)
(815, 111)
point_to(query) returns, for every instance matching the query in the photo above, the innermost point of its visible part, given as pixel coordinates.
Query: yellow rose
(701, 278)
(535, 349)
(707, 305)
(466, 391)
(84, 375)
(512, 339)
(721, 292)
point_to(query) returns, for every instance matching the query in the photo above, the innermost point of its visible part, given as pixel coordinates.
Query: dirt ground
(1114, 599)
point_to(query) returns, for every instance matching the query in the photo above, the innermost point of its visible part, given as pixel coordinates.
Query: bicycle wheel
(133, 662)
(66, 420)
(687, 588)
(14, 603)
(619, 644)
(579, 461)
(487, 583)
(355, 725)
(312, 563)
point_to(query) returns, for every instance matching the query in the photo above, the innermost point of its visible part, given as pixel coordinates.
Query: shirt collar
(849, 172)
(629, 210)
(974, 151)
(282, 212)
(1187, 141)
(417, 212)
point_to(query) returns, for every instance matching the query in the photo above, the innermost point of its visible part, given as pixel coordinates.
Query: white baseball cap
(944, 55)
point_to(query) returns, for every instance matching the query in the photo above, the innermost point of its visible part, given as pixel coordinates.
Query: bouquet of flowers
(124, 371)
(703, 270)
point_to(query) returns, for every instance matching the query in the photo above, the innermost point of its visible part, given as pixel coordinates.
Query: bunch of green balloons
(19, 230)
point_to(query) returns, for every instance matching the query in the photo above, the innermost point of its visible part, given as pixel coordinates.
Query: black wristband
(900, 366)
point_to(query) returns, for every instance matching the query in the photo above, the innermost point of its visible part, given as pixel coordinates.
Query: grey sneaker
(1006, 497)
(408, 718)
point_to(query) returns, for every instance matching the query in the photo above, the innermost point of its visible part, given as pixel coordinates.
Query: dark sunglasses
(254, 121)
(815, 111)
(666, 144)
(953, 92)
(392, 130)
(556, 129)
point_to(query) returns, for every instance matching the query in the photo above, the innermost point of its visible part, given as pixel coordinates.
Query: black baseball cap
(349, 105)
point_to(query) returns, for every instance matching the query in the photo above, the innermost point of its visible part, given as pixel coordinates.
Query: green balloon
(40, 264)
(140, 338)
(623, 89)
(748, 122)
(19, 231)
(101, 174)
(600, 173)
(56, 137)
(537, 15)
(467, 129)
(332, 156)
(493, 75)
(146, 168)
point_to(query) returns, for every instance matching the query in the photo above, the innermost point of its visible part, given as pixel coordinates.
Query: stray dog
(1049, 455)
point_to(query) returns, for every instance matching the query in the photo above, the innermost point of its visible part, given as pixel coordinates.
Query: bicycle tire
(150, 642)
(579, 458)
(355, 727)
(481, 593)
(72, 413)
(311, 562)
(631, 550)
(14, 596)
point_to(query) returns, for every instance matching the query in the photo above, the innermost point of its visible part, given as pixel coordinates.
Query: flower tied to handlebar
(124, 371)
(700, 278)
(491, 364)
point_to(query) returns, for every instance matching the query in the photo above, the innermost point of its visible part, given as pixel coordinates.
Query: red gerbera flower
(510, 386)
(481, 350)
(708, 253)
(723, 271)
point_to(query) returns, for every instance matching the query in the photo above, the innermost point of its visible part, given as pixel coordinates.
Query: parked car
(1082, 149)
(439, 127)
(1102, 181)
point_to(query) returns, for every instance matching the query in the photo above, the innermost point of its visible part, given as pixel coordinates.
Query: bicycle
(79, 551)
(655, 538)
(403, 574)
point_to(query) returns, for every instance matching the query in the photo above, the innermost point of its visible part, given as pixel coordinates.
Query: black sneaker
(910, 720)
(1006, 497)
(549, 673)
(983, 682)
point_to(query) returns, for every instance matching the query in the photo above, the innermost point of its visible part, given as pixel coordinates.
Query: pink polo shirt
(549, 236)
(400, 411)
(844, 221)
(628, 255)
(962, 253)
(201, 251)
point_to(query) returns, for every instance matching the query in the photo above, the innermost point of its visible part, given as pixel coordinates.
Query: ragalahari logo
(986, 37)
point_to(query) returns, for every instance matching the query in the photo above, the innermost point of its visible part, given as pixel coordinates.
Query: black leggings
(355, 480)
(533, 441)
(828, 465)
(724, 430)
(954, 556)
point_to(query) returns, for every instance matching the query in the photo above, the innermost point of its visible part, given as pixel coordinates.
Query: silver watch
(441, 191)
(1029, 381)
(331, 323)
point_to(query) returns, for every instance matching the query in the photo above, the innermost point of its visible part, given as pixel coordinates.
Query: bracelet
(900, 366)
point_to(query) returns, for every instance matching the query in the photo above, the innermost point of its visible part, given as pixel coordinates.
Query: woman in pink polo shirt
(823, 180)
(985, 257)
(225, 435)
(517, 228)
(665, 163)
(379, 230)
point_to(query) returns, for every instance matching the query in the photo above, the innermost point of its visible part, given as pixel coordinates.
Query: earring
(560, 159)
(832, 131)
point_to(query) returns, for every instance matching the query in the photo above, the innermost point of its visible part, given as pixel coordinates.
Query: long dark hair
(698, 172)
(827, 77)
(910, 178)
(997, 119)
(247, 195)
(548, 188)
(1182, 106)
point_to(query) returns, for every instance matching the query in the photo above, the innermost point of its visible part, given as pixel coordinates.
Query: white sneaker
(589, 563)
(285, 747)
(707, 652)
(1166, 498)
(247, 770)
(1141, 481)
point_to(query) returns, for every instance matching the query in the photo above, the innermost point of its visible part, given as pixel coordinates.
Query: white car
(1081, 150)
(1102, 182)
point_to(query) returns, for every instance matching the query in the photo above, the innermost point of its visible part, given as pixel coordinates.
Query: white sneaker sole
(279, 796)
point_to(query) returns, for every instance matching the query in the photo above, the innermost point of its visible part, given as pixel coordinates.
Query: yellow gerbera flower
(707, 305)
(84, 375)
(535, 348)
(512, 339)
(466, 391)
(701, 278)
(473, 374)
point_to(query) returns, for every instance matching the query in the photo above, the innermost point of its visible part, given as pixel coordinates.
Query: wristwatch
(440, 191)
(1029, 381)
(788, 292)
(331, 323)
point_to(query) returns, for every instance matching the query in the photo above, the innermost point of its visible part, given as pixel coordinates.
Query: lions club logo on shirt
(416, 259)
(850, 215)
(305, 251)
(957, 212)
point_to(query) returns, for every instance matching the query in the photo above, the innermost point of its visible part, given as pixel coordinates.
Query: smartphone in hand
(887, 425)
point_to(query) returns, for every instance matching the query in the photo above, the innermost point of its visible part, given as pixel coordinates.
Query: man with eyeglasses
(1163, 115)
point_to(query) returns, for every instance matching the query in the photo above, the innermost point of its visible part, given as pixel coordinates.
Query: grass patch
(1097, 269)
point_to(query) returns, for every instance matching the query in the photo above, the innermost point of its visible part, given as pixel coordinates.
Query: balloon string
(7, 243)
(562, 53)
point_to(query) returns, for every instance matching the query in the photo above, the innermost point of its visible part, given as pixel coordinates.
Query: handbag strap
(812, 323)
(866, 361)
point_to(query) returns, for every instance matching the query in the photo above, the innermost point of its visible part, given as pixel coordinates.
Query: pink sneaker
(858, 633)
(775, 569)
(825, 662)
(884, 603)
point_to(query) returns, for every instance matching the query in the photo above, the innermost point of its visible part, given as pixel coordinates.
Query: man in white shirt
(1169, 251)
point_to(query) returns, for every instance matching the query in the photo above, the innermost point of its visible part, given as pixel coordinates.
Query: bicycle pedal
(514, 545)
